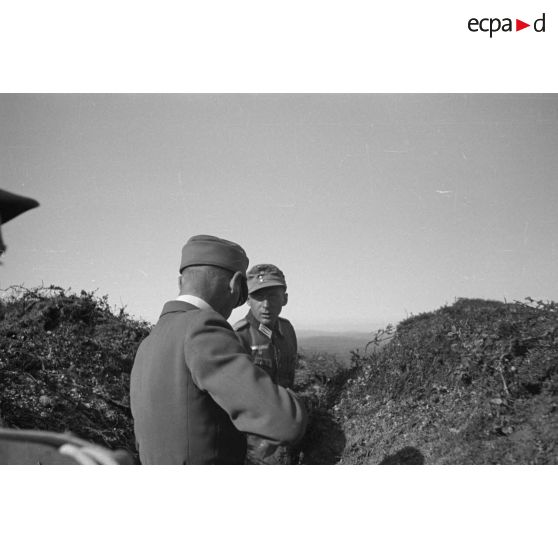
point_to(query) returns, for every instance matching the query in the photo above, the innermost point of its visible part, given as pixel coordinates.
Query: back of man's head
(214, 269)
(204, 280)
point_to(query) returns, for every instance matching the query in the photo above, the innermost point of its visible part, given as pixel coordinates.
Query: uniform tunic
(274, 350)
(194, 392)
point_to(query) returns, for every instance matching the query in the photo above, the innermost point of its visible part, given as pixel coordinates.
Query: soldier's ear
(285, 298)
(2, 245)
(238, 285)
(233, 283)
(180, 282)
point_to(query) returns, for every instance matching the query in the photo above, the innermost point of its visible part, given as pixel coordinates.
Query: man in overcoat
(195, 392)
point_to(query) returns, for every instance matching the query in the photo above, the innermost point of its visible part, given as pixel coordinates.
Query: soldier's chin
(266, 320)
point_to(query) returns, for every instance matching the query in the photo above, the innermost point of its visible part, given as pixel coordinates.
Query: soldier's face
(266, 304)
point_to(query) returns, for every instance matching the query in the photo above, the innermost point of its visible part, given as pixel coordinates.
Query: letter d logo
(538, 26)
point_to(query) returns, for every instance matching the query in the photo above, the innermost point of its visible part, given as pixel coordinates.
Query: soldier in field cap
(271, 341)
(12, 205)
(195, 392)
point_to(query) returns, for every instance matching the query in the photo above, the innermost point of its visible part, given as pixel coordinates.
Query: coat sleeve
(244, 338)
(220, 366)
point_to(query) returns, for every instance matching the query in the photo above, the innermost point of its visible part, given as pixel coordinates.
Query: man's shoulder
(285, 323)
(193, 317)
(211, 317)
(178, 309)
(287, 329)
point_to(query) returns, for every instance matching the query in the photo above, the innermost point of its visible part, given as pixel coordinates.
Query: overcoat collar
(177, 306)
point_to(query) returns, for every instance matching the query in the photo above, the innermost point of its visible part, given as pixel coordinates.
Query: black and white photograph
(281, 279)
(316, 236)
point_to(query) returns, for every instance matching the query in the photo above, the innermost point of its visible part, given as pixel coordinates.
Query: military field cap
(204, 249)
(11, 205)
(262, 276)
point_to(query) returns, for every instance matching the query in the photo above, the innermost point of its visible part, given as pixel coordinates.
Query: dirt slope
(476, 382)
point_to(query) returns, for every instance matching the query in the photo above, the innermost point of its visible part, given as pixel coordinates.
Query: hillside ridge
(471, 383)
(474, 382)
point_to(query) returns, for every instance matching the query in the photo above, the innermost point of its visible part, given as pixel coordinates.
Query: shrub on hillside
(65, 364)
(475, 382)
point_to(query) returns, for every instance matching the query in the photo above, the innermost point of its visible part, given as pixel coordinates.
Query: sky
(375, 206)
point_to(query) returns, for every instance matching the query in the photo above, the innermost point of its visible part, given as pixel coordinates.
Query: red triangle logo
(519, 25)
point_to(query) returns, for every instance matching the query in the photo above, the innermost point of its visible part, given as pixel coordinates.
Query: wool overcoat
(195, 393)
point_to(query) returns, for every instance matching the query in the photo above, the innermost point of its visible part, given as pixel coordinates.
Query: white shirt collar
(195, 301)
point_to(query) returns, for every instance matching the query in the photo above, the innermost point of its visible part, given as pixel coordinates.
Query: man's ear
(234, 283)
(2, 245)
(285, 298)
(179, 282)
(237, 286)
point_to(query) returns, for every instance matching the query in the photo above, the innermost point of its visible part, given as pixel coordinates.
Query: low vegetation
(65, 361)
(472, 383)
(475, 382)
